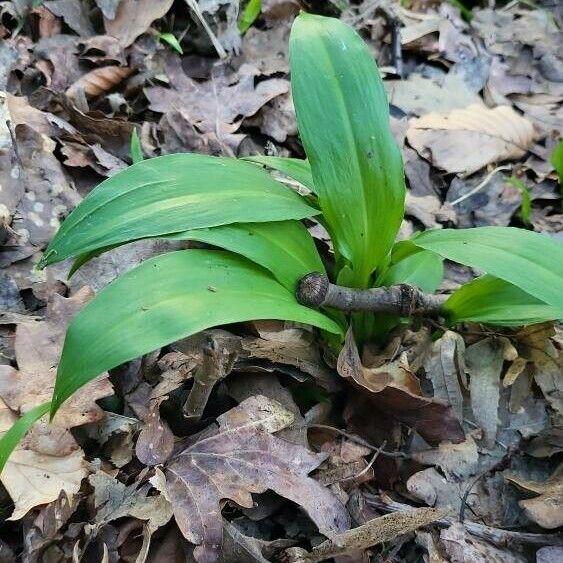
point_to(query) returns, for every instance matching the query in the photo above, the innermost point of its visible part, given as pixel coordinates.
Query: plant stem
(315, 290)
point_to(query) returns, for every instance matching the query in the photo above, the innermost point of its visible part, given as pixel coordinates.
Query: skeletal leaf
(244, 458)
(493, 135)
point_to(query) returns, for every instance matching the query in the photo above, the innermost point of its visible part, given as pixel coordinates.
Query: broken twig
(315, 290)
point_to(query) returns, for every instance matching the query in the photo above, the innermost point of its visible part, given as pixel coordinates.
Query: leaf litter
(441, 446)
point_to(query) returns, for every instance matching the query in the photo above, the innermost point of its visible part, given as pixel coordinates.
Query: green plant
(249, 14)
(355, 175)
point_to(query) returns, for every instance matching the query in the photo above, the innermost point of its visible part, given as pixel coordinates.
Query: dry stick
(213, 368)
(497, 536)
(315, 290)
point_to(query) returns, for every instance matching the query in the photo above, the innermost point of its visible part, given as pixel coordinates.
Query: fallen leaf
(218, 105)
(392, 391)
(494, 135)
(32, 479)
(445, 367)
(379, 530)
(244, 458)
(113, 500)
(99, 80)
(545, 509)
(156, 441)
(419, 96)
(46, 528)
(483, 362)
(133, 18)
(38, 347)
(75, 15)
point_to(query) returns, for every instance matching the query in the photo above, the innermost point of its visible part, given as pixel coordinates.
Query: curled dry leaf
(244, 458)
(493, 135)
(392, 391)
(99, 80)
(545, 509)
(376, 531)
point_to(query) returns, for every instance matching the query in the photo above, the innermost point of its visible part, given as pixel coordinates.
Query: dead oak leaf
(493, 135)
(38, 347)
(33, 478)
(218, 105)
(241, 459)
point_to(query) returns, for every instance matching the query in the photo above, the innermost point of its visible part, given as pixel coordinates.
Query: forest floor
(449, 451)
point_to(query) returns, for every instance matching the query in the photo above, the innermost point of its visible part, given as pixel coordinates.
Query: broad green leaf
(15, 434)
(494, 301)
(531, 261)
(295, 168)
(170, 194)
(423, 269)
(285, 248)
(167, 298)
(343, 119)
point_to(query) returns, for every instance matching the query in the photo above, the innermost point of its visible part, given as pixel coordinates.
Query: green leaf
(531, 261)
(422, 269)
(526, 206)
(136, 150)
(285, 248)
(494, 301)
(167, 298)
(172, 41)
(557, 161)
(170, 194)
(295, 168)
(14, 435)
(249, 14)
(343, 118)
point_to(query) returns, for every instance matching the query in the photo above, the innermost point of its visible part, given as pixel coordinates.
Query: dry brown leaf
(444, 367)
(156, 441)
(38, 347)
(484, 361)
(244, 458)
(99, 80)
(32, 478)
(75, 15)
(113, 500)
(546, 509)
(466, 140)
(391, 391)
(376, 531)
(134, 17)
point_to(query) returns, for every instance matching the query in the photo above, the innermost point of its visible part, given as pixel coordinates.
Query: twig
(369, 465)
(361, 441)
(315, 290)
(497, 536)
(481, 185)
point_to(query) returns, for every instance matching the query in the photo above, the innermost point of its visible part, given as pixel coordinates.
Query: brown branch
(315, 290)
